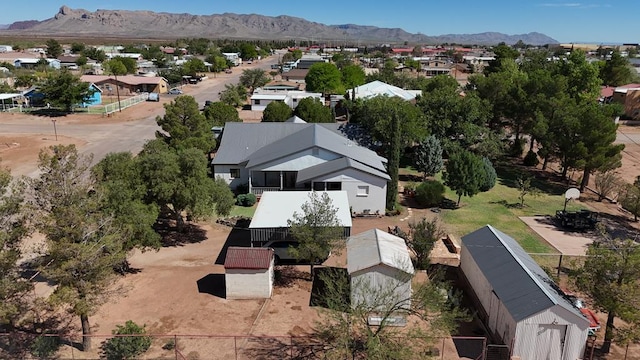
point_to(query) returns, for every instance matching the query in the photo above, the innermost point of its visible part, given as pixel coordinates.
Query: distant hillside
(147, 24)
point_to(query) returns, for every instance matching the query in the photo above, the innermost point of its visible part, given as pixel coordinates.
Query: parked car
(228, 71)
(153, 97)
(175, 91)
(281, 251)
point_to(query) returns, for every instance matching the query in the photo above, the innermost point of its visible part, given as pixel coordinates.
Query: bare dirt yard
(179, 290)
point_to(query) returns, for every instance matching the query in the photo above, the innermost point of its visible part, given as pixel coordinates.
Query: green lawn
(243, 211)
(499, 208)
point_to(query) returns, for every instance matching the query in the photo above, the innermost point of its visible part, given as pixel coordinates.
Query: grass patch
(499, 208)
(244, 211)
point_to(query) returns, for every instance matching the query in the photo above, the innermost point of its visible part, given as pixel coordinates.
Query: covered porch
(267, 181)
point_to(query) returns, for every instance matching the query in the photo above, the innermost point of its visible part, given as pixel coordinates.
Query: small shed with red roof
(249, 272)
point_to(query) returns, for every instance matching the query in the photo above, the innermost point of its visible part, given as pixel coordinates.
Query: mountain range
(152, 25)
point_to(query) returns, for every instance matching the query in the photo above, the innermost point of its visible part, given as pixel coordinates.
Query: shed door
(550, 341)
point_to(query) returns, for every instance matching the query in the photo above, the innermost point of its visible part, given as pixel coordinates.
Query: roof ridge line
(523, 266)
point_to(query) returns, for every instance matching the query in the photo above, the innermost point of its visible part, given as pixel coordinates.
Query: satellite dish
(572, 193)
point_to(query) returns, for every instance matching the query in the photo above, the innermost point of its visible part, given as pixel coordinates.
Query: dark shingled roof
(518, 281)
(248, 258)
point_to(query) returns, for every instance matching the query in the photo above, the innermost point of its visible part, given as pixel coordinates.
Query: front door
(550, 341)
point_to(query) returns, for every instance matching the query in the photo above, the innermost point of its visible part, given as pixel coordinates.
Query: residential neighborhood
(197, 198)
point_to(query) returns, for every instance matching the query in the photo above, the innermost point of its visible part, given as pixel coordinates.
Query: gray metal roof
(314, 135)
(518, 281)
(243, 139)
(337, 165)
(374, 247)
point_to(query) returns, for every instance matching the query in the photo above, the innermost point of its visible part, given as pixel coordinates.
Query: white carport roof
(9, 96)
(374, 247)
(276, 207)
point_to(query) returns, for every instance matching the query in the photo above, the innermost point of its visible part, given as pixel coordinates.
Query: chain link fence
(210, 347)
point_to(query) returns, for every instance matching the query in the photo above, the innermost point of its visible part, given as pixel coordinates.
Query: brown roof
(125, 79)
(295, 74)
(248, 258)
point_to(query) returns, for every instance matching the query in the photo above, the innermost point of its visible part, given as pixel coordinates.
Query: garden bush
(45, 347)
(430, 193)
(490, 175)
(247, 200)
(126, 347)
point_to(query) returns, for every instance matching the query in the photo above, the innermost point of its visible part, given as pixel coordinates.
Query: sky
(596, 21)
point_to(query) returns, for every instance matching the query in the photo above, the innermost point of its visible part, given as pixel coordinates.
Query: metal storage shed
(269, 222)
(520, 305)
(248, 272)
(379, 263)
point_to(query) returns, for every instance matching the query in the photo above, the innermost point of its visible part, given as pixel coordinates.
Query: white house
(518, 302)
(248, 273)
(270, 221)
(261, 98)
(6, 48)
(234, 58)
(32, 62)
(300, 156)
(380, 269)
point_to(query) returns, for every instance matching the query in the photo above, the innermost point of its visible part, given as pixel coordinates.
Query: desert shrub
(126, 347)
(531, 159)
(45, 347)
(490, 176)
(247, 200)
(430, 193)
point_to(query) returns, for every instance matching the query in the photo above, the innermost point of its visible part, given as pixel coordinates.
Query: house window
(256, 101)
(334, 186)
(318, 186)
(363, 190)
(234, 173)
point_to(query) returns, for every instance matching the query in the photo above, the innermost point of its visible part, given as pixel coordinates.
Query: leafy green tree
(610, 276)
(424, 234)
(630, 198)
(317, 228)
(193, 66)
(353, 76)
(178, 181)
(254, 78)
(502, 52)
(324, 78)
(14, 288)
(218, 63)
(464, 173)
(312, 110)
(25, 80)
(65, 90)
(248, 51)
(95, 54)
(276, 111)
(428, 156)
(297, 54)
(77, 48)
(119, 179)
(83, 246)
(54, 49)
(184, 126)
(219, 113)
(234, 95)
(130, 64)
(582, 76)
(616, 71)
(126, 347)
(81, 61)
(490, 177)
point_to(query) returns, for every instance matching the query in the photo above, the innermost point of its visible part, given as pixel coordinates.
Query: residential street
(126, 131)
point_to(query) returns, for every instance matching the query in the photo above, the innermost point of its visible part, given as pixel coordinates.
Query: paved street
(104, 138)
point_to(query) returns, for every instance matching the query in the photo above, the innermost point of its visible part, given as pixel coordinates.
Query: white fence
(113, 107)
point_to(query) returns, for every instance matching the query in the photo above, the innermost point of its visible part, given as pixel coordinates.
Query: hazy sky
(612, 21)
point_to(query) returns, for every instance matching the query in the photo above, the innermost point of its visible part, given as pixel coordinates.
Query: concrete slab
(566, 242)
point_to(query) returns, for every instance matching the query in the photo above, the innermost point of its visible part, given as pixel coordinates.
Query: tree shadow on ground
(616, 226)
(546, 181)
(172, 236)
(51, 113)
(213, 284)
(507, 204)
(319, 288)
(298, 347)
(237, 237)
(286, 276)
